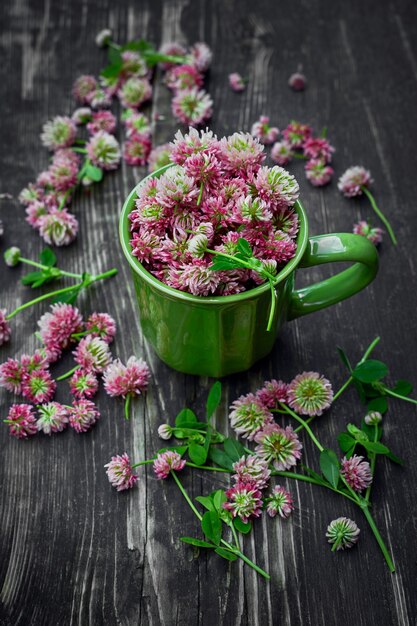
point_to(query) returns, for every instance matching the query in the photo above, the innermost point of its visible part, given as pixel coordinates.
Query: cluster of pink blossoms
(217, 192)
(246, 498)
(299, 141)
(191, 104)
(30, 377)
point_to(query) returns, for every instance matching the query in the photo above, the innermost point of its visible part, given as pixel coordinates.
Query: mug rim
(124, 236)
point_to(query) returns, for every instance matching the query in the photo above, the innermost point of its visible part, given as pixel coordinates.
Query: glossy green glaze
(217, 336)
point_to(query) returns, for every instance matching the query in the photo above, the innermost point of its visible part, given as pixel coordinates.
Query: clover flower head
(318, 148)
(353, 180)
(252, 470)
(244, 501)
(159, 156)
(282, 152)
(38, 387)
(130, 379)
(58, 325)
(134, 92)
(280, 502)
(34, 212)
(201, 56)
(166, 462)
(103, 37)
(165, 431)
(59, 132)
(356, 472)
(92, 354)
(342, 533)
(11, 374)
(263, 131)
(248, 416)
(101, 325)
(242, 153)
(63, 174)
(373, 418)
(248, 209)
(83, 384)
(103, 150)
(120, 472)
(297, 134)
(197, 245)
(102, 120)
(199, 279)
(183, 78)
(100, 98)
(21, 421)
(53, 418)
(34, 362)
(310, 394)
(192, 107)
(12, 256)
(81, 116)
(30, 194)
(83, 415)
(58, 227)
(5, 332)
(236, 82)
(193, 142)
(137, 124)
(272, 392)
(136, 151)
(83, 87)
(373, 234)
(297, 81)
(276, 186)
(279, 446)
(318, 173)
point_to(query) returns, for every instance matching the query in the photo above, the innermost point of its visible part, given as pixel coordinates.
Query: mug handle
(326, 249)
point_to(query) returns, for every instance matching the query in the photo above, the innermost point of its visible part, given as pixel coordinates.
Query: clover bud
(12, 256)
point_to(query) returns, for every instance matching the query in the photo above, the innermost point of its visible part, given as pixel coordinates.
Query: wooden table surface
(73, 551)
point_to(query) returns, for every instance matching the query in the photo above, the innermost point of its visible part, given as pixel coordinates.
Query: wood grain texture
(73, 551)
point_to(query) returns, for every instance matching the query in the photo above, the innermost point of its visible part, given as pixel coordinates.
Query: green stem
(65, 197)
(186, 496)
(273, 305)
(68, 374)
(249, 562)
(79, 150)
(46, 267)
(200, 195)
(304, 424)
(379, 539)
(235, 537)
(143, 463)
(310, 479)
(373, 462)
(45, 296)
(310, 419)
(127, 405)
(207, 467)
(107, 274)
(113, 45)
(368, 351)
(380, 214)
(397, 395)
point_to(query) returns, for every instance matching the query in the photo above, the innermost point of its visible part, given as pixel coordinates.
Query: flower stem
(64, 198)
(127, 405)
(273, 305)
(186, 496)
(310, 479)
(143, 463)
(235, 537)
(304, 425)
(207, 467)
(46, 267)
(249, 562)
(68, 374)
(397, 395)
(380, 214)
(200, 195)
(379, 539)
(45, 296)
(363, 359)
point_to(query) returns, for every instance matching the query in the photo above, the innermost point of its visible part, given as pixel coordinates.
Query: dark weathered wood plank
(72, 550)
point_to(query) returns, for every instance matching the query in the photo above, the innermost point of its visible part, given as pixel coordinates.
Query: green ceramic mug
(220, 335)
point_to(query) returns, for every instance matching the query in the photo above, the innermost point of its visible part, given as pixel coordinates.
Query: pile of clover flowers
(218, 200)
(277, 451)
(29, 376)
(83, 145)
